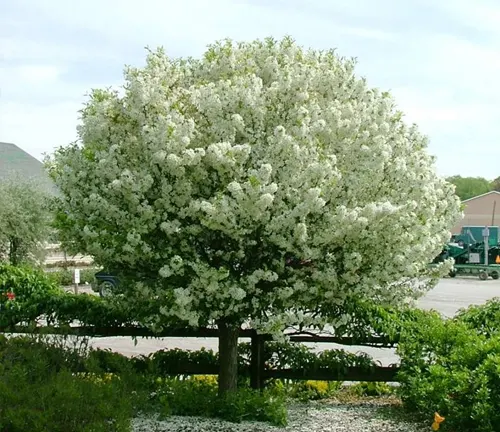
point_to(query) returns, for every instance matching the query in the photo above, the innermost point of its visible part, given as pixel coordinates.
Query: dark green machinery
(473, 234)
(470, 259)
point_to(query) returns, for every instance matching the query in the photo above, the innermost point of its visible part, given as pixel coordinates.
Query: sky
(440, 59)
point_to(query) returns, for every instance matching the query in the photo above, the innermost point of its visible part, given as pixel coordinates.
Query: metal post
(76, 279)
(486, 235)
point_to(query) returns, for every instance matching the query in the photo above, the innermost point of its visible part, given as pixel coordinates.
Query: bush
(24, 293)
(484, 319)
(372, 389)
(170, 362)
(452, 367)
(35, 353)
(25, 282)
(282, 355)
(101, 390)
(312, 390)
(28, 294)
(40, 391)
(61, 402)
(199, 397)
(108, 361)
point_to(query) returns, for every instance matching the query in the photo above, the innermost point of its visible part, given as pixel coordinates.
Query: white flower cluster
(214, 172)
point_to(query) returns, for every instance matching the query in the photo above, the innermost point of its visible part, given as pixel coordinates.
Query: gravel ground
(302, 418)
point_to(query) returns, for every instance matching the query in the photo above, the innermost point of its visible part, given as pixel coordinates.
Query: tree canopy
(469, 187)
(24, 220)
(495, 184)
(262, 183)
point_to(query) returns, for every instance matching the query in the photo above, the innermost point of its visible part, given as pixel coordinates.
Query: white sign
(474, 258)
(76, 276)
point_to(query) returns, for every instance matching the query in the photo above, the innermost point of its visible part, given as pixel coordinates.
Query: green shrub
(24, 293)
(312, 389)
(27, 294)
(366, 321)
(282, 355)
(484, 319)
(108, 361)
(452, 368)
(199, 397)
(169, 362)
(25, 282)
(37, 353)
(372, 389)
(41, 392)
(61, 402)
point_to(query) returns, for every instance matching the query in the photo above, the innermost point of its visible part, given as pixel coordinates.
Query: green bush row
(452, 366)
(37, 295)
(41, 390)
(277, 356)
(290, 355)
(45, 386)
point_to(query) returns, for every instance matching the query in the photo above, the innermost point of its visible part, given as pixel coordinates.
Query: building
(482, 210)
(16, 163)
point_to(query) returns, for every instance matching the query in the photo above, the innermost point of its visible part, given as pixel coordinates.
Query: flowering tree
(262, 183)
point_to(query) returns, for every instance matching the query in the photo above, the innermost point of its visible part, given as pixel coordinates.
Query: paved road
(448, 297)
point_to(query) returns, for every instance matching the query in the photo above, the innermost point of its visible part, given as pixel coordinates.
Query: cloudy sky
(440, 59)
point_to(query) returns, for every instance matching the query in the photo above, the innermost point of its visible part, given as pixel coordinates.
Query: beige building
(480, 211)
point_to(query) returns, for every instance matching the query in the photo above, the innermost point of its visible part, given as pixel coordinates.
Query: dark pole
(257, 362)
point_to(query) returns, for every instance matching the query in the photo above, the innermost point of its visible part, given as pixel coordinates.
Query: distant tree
(495, 184)
(24, 220)
(469, 187)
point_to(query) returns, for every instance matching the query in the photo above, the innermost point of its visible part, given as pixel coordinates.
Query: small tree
(261, 184)
(24, 220)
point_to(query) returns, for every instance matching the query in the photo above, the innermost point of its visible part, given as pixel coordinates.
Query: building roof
(15, 162)
(482, 195)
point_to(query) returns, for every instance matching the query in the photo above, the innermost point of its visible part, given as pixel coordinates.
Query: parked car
(105, 283)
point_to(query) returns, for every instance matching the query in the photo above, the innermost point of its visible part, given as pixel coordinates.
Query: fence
(258, 372)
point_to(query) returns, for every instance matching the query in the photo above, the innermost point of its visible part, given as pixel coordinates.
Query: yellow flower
(320, 386)
(207, 379)
(437, 421)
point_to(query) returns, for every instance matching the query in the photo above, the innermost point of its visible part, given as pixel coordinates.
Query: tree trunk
(228, 355)
(14, 251)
